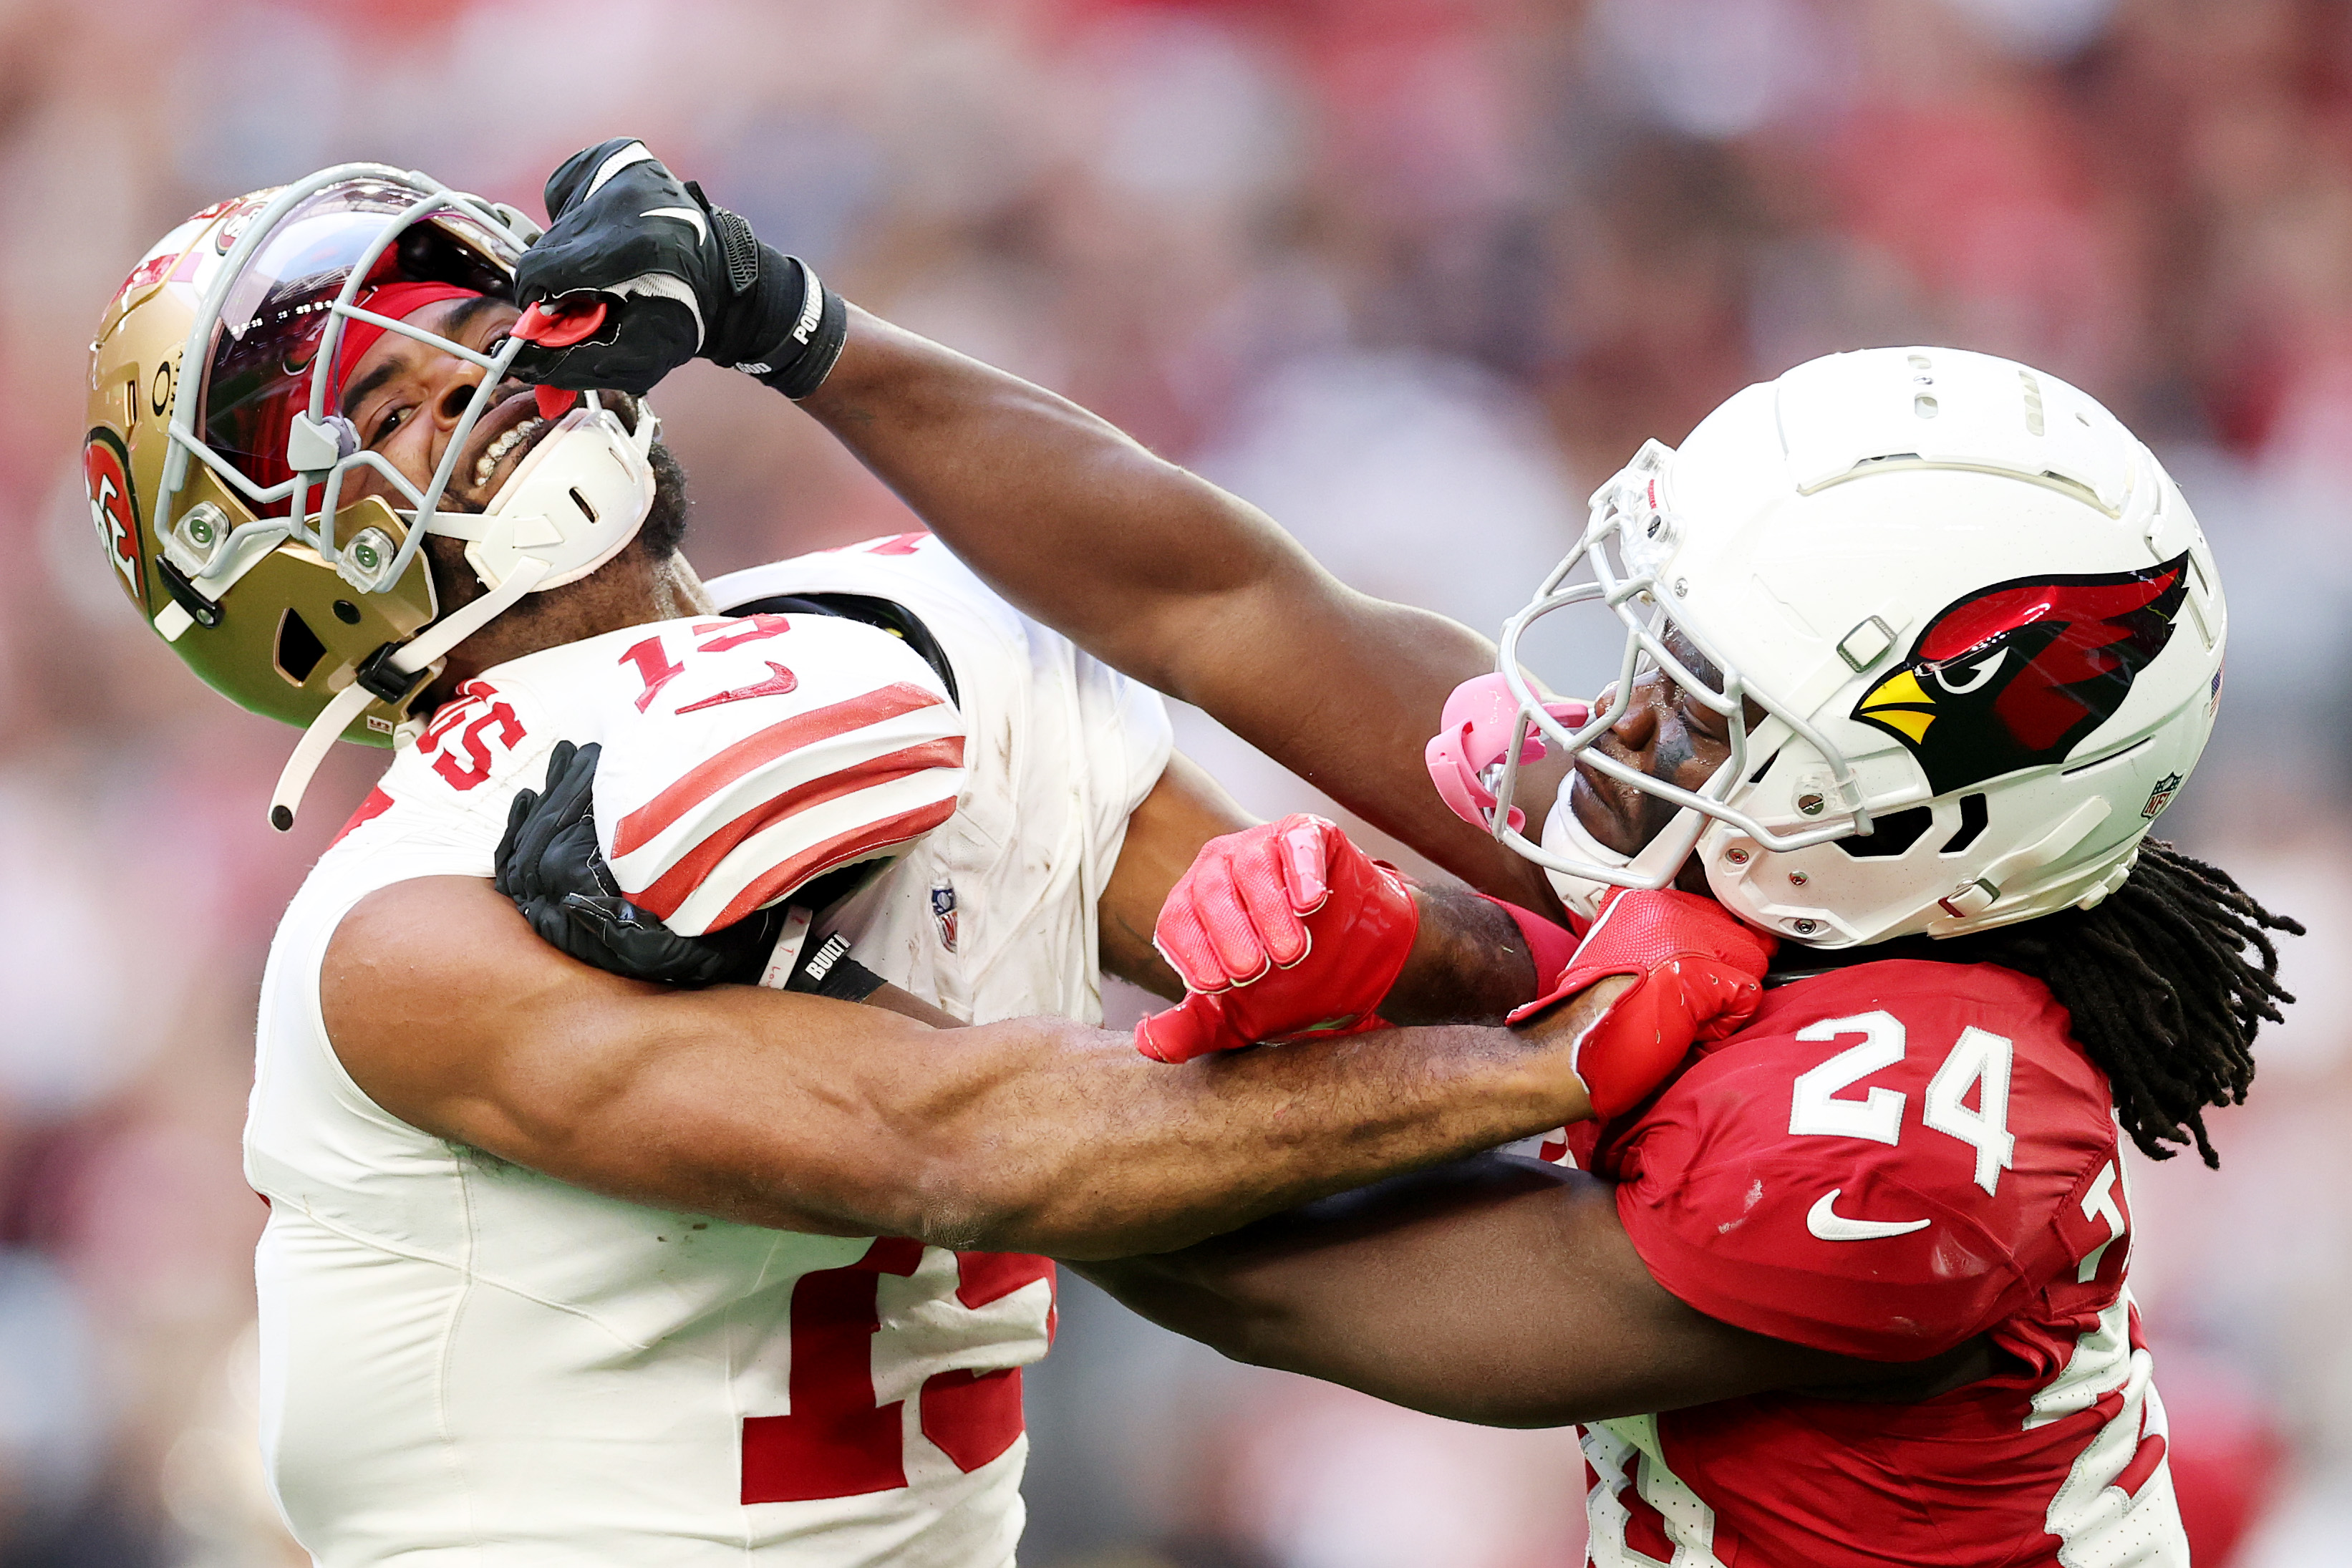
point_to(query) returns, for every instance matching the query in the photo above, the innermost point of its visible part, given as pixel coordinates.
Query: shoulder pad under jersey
(765, 752)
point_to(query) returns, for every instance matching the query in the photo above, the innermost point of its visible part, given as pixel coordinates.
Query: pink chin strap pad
(1475, 731)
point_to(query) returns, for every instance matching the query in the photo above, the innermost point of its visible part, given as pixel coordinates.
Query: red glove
(1699, 975)
(1282, 931)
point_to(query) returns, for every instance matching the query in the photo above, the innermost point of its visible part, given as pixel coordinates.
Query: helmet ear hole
(1891, 835)
(299, 649)
(1974, 816)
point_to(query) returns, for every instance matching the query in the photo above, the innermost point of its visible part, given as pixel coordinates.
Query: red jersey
(1889, 1160)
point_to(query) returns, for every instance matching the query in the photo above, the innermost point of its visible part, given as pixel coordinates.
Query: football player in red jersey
(2000, 658)
(1919, 644)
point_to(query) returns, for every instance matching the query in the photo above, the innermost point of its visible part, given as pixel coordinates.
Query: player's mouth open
(486, 464)
(501, 452)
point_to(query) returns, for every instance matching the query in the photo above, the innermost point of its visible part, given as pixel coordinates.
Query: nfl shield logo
(2158, 798)
(943, 914)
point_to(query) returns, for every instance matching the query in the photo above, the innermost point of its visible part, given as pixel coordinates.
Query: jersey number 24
(1980, 1061)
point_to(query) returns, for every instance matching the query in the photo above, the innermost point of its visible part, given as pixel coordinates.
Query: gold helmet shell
(217, 453)
(263, 619)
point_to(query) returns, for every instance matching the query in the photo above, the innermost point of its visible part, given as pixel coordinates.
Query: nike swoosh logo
(1824, 1221)
(684, 214)
(776, 685)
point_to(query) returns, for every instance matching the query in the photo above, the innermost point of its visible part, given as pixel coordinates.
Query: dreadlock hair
(2166, 982)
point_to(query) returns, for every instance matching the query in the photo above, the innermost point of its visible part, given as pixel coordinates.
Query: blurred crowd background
(1412, 275)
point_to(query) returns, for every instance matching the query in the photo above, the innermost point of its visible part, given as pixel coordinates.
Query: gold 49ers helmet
(216, 458)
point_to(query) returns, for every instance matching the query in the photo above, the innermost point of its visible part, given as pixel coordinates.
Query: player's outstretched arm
(1497, 1290)
(1163, 575)
(803, 1113)
(1148, 567)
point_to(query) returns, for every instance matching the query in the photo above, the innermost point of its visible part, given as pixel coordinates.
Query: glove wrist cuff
(1569, 983)
(786, 328)
(806, 372)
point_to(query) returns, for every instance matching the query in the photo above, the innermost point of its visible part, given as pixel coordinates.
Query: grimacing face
(1671, 736)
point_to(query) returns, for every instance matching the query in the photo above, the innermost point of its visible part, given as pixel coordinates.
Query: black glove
(547, 863)
(679, 276)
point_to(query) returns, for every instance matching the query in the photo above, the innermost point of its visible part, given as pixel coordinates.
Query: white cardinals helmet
(1980, 621)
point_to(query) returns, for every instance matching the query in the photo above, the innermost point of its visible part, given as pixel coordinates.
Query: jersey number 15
(839, 1441)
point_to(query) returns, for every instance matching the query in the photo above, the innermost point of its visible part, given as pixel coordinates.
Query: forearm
(1082, 1149)
(1064, 513)
(1471, 1292)
(1165, 577)
(1498, 1292)
(804, 1114)
(1031, 1135)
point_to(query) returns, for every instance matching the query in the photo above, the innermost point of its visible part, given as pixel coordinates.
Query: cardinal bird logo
(2012, 676)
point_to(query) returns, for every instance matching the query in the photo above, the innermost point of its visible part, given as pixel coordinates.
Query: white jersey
(467, 1362)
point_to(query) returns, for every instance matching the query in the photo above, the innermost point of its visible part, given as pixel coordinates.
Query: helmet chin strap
(572, 505)
(410, 659)
(1653, 866)
(577, 499)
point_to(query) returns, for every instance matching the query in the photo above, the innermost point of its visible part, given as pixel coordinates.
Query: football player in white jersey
(567, 1266)
(1918, 643)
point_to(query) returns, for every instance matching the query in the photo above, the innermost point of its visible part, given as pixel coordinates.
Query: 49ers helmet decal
(2014, 675)
(1959, 628)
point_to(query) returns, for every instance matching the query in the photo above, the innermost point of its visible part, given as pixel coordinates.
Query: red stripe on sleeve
(835, 851)
(643, 825)
(665, 892)
(2143, 1460)
(375, 805)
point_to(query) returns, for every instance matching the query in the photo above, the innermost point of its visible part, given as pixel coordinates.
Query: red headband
(397, 300)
